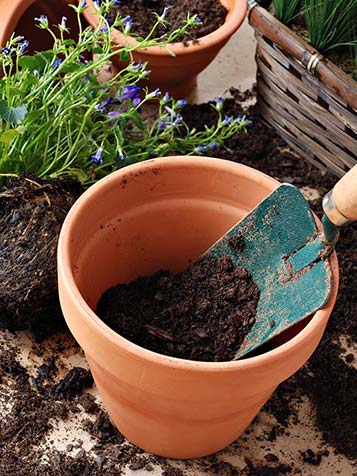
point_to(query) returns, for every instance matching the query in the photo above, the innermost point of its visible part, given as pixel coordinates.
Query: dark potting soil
(203, 313)
(328, 379)
(31, 215)
(211, 12)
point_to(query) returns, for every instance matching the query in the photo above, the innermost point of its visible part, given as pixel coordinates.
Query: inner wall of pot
(162, 218)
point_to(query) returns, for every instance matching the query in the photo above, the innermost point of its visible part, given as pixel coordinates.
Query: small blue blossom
(36, 73)
(212, 145)
(227, 120)
(23, 46)
(103, 105)
(96, 4)
(201, 148)
(18, 39)
(104, 28)
(137, 66)
(128, 24)
(129, 92)
(97, 158)
(161, 125)
(181, 103)
(197, 20)
(42, 21)
(116, 3)
(121, 155)
(63, 24)
(6, 51)
(239, 118)
(82, 59)
(219, 103)
(57, 62)
(165, 12)
(83, 4)
(154, 94)
(166, 98)
(178, 120)
(249, 124)
(114, 114)
(136, 102)
(109, 20)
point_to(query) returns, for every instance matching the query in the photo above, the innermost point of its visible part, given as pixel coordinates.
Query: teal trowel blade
(283, 251)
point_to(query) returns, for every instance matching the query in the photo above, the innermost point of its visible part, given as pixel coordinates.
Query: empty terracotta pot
(157, 215)
(18, 16)
(178, 74)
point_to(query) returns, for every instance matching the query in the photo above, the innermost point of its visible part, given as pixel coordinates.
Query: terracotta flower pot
(149, 216)
(19, 16)
(178, 74)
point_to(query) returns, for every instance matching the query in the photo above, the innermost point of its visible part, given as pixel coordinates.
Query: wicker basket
(310, 102)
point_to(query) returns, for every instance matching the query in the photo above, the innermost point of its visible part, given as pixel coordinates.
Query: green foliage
(58, 119)
(331, 23)
(287, 10)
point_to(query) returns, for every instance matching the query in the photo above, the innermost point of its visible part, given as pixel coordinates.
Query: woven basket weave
(310, 102)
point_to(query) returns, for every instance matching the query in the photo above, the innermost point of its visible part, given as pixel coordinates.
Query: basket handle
(271, 28)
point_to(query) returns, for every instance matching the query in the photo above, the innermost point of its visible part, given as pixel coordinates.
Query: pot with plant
(60, 123)
(182, 398)
(203, 30)
(17, 17)
(307, 89)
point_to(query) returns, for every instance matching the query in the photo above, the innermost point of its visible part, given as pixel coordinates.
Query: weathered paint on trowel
(288, 259)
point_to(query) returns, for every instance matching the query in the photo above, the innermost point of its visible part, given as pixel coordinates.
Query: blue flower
(154, 94)
(212, 145)
(165, 12)
(129, 92)
(121, 155)
(116, 3)
(42, 21)
(6, 51)
(201, 148)
(57, 62)
(23, 46)
(63, 24)
(197, 20)
(137, 66)
(97, 158)
(83, 4)
(166, 98)
(219, 103)
(128, 23)
(136, 102)
(227, 120)
(181, 103)
(114, 114)
(161, 125)
(96, 4)
(104, 28)
(36, 73)
(103, 105)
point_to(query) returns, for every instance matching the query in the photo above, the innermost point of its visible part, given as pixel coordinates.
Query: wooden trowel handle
(340, 205)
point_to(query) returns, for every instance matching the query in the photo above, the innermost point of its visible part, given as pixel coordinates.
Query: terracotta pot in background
(157, 215)
(18, 16)
(178, 74)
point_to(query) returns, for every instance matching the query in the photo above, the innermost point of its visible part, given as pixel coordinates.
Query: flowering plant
(58, 119)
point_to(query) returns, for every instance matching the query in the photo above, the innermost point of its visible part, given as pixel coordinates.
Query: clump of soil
(203, 313)
(31, 215)
(211, 12)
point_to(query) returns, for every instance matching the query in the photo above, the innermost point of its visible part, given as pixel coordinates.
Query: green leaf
(137, 120)
(124, 55)
(7, 136)
(97, 50)
(79, 175)
(12, 115)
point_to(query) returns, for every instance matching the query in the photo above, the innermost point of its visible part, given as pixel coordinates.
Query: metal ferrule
(332, 212)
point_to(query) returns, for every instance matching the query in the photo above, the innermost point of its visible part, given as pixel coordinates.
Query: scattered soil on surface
(32, 405)
(203, 313)
(31, 215)
(211, 12)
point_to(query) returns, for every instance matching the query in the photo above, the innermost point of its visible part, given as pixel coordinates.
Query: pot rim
(97, 325)
(234, 19)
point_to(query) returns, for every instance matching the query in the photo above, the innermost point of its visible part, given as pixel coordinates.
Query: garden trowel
(287, 255)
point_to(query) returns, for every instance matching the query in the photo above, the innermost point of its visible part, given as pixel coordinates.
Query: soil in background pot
(31, 215)
(203, 313)
(211, 12)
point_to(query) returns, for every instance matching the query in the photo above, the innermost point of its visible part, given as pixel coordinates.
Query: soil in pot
(31, 215)
(211, 12)
(203, 313)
